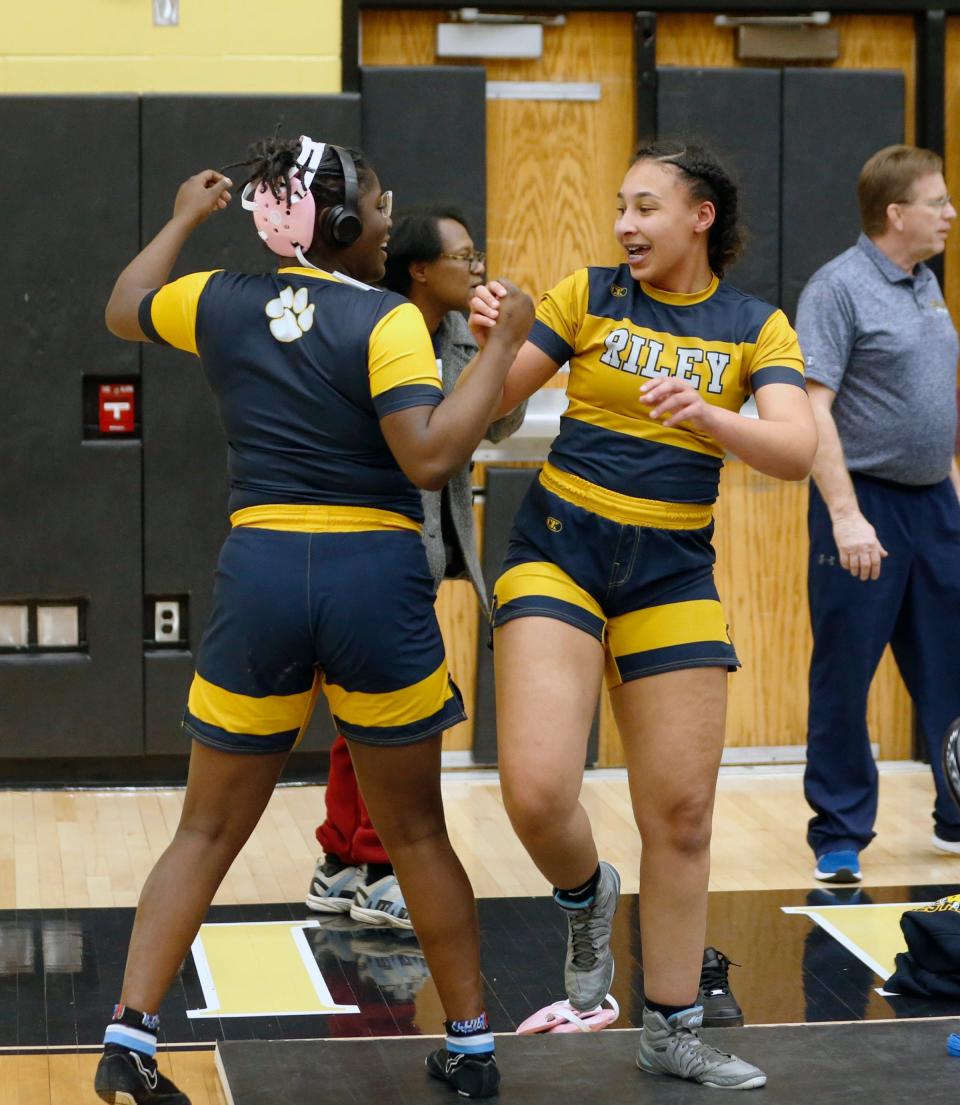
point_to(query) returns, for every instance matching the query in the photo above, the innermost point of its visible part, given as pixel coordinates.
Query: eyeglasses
(477, 258)
(385, 206)
(938, 204)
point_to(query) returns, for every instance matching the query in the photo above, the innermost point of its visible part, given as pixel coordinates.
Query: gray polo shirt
(882, 339)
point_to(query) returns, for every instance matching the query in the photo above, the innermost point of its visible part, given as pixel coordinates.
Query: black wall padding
(69, 512)
(833, 120)
(505, 490)
(185, 476)
(186, 133)
(736, 112)
(425, 130)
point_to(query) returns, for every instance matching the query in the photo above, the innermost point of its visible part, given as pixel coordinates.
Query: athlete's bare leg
(401, 789)
(672, 728)
(226, 794)
(548, 677)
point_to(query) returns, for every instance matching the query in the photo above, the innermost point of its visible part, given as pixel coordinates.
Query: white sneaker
(333, 887)
(381, 903)
(952, 847)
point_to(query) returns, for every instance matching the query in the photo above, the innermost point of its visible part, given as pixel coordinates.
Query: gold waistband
(312, 518)
(625, 509)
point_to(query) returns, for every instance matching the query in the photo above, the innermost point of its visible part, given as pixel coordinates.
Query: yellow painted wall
(219, 46)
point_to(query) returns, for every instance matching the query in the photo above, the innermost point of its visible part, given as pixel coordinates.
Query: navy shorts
(347, 612)
(630, 576)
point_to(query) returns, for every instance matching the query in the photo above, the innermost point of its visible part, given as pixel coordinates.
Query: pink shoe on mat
(562, 1017)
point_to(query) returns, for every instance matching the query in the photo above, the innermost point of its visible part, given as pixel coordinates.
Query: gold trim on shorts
(391, 709)
(248, 714)
(624, 509)
(687, 622)
(317, 518)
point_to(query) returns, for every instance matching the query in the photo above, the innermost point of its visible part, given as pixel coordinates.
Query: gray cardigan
(457, 349)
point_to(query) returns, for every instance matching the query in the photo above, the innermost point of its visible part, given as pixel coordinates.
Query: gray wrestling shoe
(588, 972)
(674, 1047)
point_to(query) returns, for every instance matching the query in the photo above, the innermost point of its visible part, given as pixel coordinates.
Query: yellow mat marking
(260, 969)
(871, 932)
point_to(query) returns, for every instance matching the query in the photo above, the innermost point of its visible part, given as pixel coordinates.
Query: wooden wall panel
(459, 615)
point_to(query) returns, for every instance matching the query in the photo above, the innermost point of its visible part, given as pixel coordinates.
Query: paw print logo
(290, 314)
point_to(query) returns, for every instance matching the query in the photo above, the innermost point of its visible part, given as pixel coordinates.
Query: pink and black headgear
(286, 219)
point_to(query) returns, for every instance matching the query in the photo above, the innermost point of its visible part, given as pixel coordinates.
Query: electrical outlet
(166, 621)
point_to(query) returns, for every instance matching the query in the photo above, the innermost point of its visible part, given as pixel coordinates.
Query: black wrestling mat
(883, 1063)
(818, 955)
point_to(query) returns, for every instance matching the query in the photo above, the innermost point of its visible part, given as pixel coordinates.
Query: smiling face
(661, 227)
(366, 258)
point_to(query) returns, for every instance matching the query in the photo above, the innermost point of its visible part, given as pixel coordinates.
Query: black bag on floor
(930, 967)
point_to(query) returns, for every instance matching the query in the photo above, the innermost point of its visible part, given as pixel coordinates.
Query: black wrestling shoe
(720, 1008)
(469, 1075)
(126, 1077)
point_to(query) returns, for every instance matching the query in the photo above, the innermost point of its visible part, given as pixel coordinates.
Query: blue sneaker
(838, 867)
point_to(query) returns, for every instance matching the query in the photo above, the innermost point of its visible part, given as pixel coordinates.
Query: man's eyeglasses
(938, 204)
(385, 206)
(475, 259)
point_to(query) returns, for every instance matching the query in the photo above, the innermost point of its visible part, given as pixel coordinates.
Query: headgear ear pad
(341, 224)
(286, 220)
(285, 223)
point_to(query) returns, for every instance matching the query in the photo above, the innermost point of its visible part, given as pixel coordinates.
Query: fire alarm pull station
(117, 408)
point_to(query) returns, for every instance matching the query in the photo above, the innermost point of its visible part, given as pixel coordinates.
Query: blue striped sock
(473, 1037)
(578, 897)
(132, 1029)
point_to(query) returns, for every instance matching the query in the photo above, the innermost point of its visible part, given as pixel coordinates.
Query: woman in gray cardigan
(433, 262)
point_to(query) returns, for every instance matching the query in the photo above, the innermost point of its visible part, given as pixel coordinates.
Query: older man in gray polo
(884, 513)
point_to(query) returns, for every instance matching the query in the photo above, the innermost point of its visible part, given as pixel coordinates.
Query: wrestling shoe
(469, 1075)
(838, 867)
(674, 1047)
(720, 1008)
(381, 903)
(333, 886)
(126, 1077)
(588, 971)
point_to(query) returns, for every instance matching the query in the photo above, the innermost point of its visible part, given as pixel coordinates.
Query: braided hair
(707, 180)
(271, 159)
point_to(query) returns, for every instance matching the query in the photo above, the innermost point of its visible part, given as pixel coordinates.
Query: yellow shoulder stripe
(400, 352)
(173, 311)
